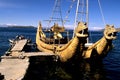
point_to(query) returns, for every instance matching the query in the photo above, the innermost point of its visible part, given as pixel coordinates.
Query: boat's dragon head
(41, 33)
(110, 32)
(39, 26)
(81, 30)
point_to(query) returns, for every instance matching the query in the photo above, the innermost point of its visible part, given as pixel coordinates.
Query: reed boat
(101, 48)
(68, 50)
(77, 45)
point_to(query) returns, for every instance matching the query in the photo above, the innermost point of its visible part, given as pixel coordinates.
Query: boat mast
(69, 10)
(76, 15)
(56, 13)
(81, 13)
(87, 16)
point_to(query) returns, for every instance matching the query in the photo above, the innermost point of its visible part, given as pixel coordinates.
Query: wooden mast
(82, 15)
(56, 13)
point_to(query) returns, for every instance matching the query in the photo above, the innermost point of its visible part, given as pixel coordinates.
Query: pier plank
(14, 69)
(28, 54)
(19, 45)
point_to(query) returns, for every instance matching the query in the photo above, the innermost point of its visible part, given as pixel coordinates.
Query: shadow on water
(44, 68)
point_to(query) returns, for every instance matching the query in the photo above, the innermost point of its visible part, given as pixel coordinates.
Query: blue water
(108, 69)
(11, 33)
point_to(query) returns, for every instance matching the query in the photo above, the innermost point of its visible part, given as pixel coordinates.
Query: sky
(30, 12)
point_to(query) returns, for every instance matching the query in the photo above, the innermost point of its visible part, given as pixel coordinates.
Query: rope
(101, 12)
(67, 13)
(56, 10)
(82, 9)
(76, 16)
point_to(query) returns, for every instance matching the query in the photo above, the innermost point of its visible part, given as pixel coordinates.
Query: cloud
(91, 28)
(96, 28)
(69, 26)
(11, 24)
(5, 25)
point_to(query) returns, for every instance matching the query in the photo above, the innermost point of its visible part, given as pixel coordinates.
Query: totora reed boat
(59, 44)
(68, 50)
(79, 44)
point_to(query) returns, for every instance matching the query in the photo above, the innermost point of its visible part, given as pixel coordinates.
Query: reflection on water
(44, 68)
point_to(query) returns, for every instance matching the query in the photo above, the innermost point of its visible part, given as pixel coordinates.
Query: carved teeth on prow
(112, 34)
(82, 31)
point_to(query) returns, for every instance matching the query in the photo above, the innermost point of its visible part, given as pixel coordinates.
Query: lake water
(108, 69)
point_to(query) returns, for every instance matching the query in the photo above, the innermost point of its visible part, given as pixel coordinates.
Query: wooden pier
(19, 45)
(14, 69)
(14, 65)
(22, 55)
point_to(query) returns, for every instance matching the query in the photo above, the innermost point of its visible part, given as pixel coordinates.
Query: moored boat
(67, 50)
(101, 48)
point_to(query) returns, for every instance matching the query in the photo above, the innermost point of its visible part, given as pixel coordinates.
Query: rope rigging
(81, 12)
(69, 10)
(56, 13)
(101, 12)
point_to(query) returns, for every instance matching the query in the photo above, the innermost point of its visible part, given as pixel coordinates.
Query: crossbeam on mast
(56, 13)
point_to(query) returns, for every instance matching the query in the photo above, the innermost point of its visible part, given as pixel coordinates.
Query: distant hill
(3, 25)
(17, 26)
(22, 26)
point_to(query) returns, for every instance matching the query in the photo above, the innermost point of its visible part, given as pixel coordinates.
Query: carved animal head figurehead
(42, 35)
(110, 32)
(81, 30)
(40, 26)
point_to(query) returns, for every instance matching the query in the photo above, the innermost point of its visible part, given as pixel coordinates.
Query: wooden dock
(19, 45)
(14, 65)
(14, 69)
(16, 55)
